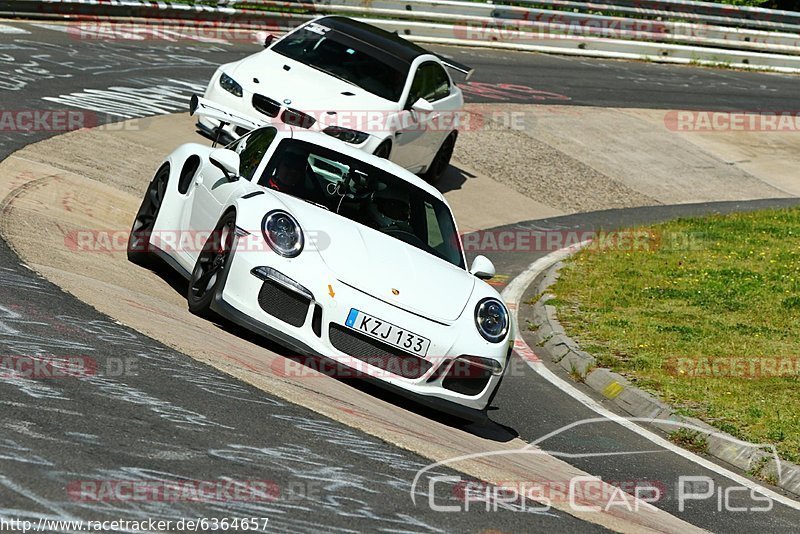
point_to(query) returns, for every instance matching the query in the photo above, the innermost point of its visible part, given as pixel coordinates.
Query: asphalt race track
(177, 419)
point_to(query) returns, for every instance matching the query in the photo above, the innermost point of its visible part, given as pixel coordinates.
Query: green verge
(690, 312)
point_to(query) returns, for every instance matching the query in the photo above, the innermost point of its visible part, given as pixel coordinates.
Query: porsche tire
(212, 261)
(139, 248)
(441, 160)
(384, 150)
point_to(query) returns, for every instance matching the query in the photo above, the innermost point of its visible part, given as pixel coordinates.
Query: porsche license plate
(388, 333)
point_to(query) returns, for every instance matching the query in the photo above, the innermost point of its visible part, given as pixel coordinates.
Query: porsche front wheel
(442, 160)
(139, 239)
(384, 150)
(211, 263)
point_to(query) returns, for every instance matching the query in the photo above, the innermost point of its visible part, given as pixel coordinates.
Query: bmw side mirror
(227, 161)
(268, 40)
(482, 268)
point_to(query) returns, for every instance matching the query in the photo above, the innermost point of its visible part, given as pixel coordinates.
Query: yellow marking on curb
(613, 389)
(498, 280)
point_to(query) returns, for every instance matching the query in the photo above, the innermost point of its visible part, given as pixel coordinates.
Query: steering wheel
(357, 188)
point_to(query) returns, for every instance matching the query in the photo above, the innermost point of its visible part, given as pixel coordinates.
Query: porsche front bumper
(307, 312)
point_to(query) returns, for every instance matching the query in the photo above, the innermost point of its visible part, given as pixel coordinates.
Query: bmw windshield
(366, 195)
(345, 58)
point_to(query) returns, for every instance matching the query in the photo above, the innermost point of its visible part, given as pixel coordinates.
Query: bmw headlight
(283, 233)
(346, 134)
(491, 318)
(230, 85)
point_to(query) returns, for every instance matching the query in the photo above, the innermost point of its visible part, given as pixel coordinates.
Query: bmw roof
(388, 42)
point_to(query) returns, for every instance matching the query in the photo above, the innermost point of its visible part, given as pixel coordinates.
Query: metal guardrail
(510, 23)
(741, 13)
(693, 32)
(698, 12)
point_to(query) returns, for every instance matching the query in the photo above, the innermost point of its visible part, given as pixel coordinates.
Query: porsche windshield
(364, 194)
(346, 58)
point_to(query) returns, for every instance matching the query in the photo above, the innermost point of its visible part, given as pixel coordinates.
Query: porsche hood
(383, 266)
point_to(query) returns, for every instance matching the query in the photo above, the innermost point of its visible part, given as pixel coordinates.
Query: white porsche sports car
(334, 253)
(360, 84)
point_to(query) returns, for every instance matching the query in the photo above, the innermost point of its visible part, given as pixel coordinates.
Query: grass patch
(711, 290)
(690, 440)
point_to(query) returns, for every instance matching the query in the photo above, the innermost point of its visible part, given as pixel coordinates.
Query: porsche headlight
(230, 85)
(491, 319)
(346, 134)
(283, 233)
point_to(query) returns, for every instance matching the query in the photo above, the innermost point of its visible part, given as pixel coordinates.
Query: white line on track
(512, 294)
(4, 29)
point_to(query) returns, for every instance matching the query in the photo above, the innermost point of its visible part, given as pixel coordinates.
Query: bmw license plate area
(388, 333)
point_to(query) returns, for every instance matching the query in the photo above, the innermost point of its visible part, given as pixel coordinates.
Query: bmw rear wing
(456, 66)
(204, 108)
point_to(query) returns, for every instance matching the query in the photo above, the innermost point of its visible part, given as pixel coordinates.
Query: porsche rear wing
(204, 108)
(456, 66)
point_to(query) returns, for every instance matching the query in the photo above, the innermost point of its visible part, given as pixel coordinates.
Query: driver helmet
(290, 172)
(390, 207)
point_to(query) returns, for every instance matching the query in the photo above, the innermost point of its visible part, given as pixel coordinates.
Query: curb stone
(549, 334)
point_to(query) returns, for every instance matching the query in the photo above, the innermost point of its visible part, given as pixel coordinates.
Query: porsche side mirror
(227, 161)
(268, 40)
(422, 105)
(482, 268)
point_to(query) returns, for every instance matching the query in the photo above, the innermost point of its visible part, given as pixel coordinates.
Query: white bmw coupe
(335, 253)
(360, 84)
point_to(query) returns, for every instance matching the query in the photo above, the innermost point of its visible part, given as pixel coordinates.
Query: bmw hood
(383, 266)
(308, 89)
